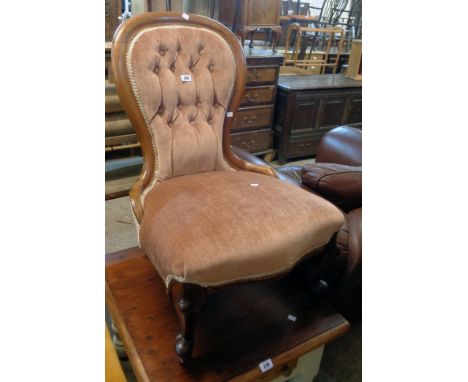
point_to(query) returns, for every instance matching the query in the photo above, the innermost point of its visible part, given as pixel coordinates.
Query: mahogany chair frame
(186, 298)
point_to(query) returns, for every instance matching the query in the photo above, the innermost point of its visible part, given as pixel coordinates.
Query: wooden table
(238, 328)
(307, 106)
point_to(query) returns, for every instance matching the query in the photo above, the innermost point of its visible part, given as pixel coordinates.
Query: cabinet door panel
(354, 109)
(263, 12)
(332, 110)
(305, 113)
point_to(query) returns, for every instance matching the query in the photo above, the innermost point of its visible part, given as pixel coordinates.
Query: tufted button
(201, 46)
(172, 68)
(211, 68)
(199, 105)
(162, 50)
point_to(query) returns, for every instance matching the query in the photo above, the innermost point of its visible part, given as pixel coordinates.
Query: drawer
(316, 56)
(253, 141)
(253, 117)
(306, 146)
(261, 75)
(316, 69)
(258, 96)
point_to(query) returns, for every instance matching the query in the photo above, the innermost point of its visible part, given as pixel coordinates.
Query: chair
(331, 12)
(335, 13)
(206, 219)
(311, 48)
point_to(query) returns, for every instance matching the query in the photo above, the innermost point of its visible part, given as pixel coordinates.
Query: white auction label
(266, 365)
(229, 114)
(186, 77)
(185, 16)
(291, 318)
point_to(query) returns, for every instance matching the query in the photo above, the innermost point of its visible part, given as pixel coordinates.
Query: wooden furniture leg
(315, 268)
(187, 300)
(276, 38)
(243, 33)
(251, 34)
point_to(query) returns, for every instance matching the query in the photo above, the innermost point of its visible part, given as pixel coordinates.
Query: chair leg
(188, 300)
(276, 38)
(315, 269)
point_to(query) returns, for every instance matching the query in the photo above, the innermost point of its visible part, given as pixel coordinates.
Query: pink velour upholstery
(220, 227)
(185, 117)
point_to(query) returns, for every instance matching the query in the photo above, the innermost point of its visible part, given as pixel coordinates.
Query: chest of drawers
(252, 128)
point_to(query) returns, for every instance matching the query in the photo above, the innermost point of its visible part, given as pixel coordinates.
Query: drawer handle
(250, 119)
(247, 144)
(251, 97)
(255, 75)
(304, 146)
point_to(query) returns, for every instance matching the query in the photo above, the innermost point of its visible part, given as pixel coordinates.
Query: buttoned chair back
(178, 77)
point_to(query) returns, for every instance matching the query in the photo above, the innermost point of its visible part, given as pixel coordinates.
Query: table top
(290, 83)
(238, 327)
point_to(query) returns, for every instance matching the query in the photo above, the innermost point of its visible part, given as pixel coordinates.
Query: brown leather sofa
(336, 176)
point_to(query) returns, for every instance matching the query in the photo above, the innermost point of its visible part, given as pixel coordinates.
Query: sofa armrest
(290, 174)
(245, 155)
(341, 145)
(339, 184)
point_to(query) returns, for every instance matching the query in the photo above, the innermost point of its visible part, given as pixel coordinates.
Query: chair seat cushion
(222, 227)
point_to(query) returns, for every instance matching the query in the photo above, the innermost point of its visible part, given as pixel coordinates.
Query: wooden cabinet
(251, 14)
(252, 128)
(309, 106)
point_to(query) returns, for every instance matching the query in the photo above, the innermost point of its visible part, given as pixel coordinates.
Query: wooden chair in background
(309, 49)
